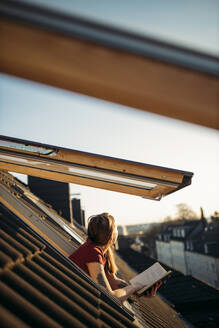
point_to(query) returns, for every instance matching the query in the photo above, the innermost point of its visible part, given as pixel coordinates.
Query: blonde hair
(100, 230)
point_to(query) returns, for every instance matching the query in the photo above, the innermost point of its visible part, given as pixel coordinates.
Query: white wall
(200, 266)
(178, 256)
(203, 267)
(172, 253)
(164, 253)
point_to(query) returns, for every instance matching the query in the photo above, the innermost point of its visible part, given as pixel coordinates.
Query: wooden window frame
(56, 163)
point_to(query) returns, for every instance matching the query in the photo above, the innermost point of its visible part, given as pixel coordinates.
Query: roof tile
(41, 287)
(23, 309)
(10, 320)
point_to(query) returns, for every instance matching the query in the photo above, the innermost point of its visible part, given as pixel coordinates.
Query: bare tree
(185, 212)
(167, 219)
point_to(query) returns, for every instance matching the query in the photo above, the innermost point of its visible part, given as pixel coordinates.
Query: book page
(149, 276)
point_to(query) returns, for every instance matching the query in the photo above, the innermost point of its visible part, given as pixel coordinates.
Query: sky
(44, 114)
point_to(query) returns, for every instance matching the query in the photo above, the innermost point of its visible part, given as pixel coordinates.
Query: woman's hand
(122, 283)
(152, 291)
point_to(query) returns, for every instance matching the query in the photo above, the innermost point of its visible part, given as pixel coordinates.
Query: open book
(149, 277)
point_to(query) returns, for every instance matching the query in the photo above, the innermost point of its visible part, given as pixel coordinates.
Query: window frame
(58, 164)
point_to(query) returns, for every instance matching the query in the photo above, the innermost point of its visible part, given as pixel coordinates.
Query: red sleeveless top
(88, 253)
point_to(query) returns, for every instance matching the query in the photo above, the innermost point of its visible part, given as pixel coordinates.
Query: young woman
(96, 258)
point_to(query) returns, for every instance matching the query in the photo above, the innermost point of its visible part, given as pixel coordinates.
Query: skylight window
(98, 171)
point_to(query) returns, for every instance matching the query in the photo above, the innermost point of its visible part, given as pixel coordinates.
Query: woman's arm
(115, 282)
(97, 273)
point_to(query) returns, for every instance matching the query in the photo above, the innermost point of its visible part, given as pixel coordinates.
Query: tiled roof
(196, 301)
(184, 224)
(28, 195)
(211, 232)
(40, 213)
(39, 281)
(42, 288)
(191, 223)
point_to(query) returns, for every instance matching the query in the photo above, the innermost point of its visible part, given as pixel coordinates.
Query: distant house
(202, 254)
(138, 244)
(192, 248)
(163, 246)
(171, 244)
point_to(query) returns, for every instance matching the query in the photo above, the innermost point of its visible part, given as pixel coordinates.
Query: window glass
(178, 22)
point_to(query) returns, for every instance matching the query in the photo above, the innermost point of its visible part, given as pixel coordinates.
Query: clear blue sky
(34, 112)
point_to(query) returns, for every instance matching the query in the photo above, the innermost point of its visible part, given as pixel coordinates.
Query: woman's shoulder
(88, 252)
(93, 247)
(94, 253)
(88, 249)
